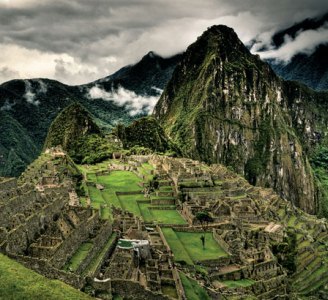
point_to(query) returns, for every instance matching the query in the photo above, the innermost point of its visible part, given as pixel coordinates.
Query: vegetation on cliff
(225, 105)
(143, 134)
(75, 130)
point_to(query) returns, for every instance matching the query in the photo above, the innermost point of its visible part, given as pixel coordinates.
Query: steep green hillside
(18, 282)
(225, 105)
(16, 146)
(146, 133)
(72, 123)
(76, 132)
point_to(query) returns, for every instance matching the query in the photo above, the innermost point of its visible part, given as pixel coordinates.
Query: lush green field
(120, 181)
(129, 203)
(125, 181)
(116, 181)
(18, 282)
(192, 289)
(188, 247)
(180, 253)
(167, 216)
(192, 243)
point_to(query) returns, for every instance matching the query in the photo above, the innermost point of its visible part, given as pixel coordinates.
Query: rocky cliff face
(225, 105)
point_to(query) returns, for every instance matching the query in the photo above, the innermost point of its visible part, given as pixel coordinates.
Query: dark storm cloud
(84, 40)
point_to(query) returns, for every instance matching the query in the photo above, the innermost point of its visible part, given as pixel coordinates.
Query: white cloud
(134, 103)
(7, 105)
(305, 42)
(29, 95)
(79, 41)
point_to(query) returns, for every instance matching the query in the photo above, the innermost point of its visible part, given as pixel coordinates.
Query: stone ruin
(39, 226)
(43, 226)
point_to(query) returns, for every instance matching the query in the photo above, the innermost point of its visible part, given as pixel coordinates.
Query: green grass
(92, 177)
(187, 246)
(192, 243)
(95, 195)
(167, 216)
(180, 253)
(111, 198)
(291, 221)
(170, 216)
(122, 181)
(116, 181)
(105, 213)
(145, 170)
(238, 283)
(92, 267)
(192, 289)
(129, 203)
(18, 282)
(78, 257)
(145, 212)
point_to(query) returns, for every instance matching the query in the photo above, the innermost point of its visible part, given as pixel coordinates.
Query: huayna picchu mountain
(225, 105)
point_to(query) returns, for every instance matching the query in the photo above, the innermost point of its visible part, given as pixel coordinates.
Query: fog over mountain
(79, 41)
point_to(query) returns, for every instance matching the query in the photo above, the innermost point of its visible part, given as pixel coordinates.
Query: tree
(204, 219)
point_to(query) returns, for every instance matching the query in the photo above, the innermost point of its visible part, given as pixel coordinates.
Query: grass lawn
(92, 177)
(159, 215)
(120, 181)
(192, 289)
(192, 243)
(180, 253)
(238, 283)
(187, 246)
(111, 198)
(18, 282)
(145, 212)
(145, 170)
(78, 257)
(95, 195)
(167, 216)
(117, 181)
(129, 203)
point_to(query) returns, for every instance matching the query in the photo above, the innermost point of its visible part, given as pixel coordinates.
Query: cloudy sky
(78, 41)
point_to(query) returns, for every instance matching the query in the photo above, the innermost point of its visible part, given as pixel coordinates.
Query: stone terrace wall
(133, 290)
(17, 240)
(73, 241)
(98, 243)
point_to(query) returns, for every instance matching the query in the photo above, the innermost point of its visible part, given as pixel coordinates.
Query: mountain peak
(224, 105)
(72, 122)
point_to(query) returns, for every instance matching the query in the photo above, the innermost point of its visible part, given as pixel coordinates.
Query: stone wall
(133, 290)
(74, 240)
(19, 237)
